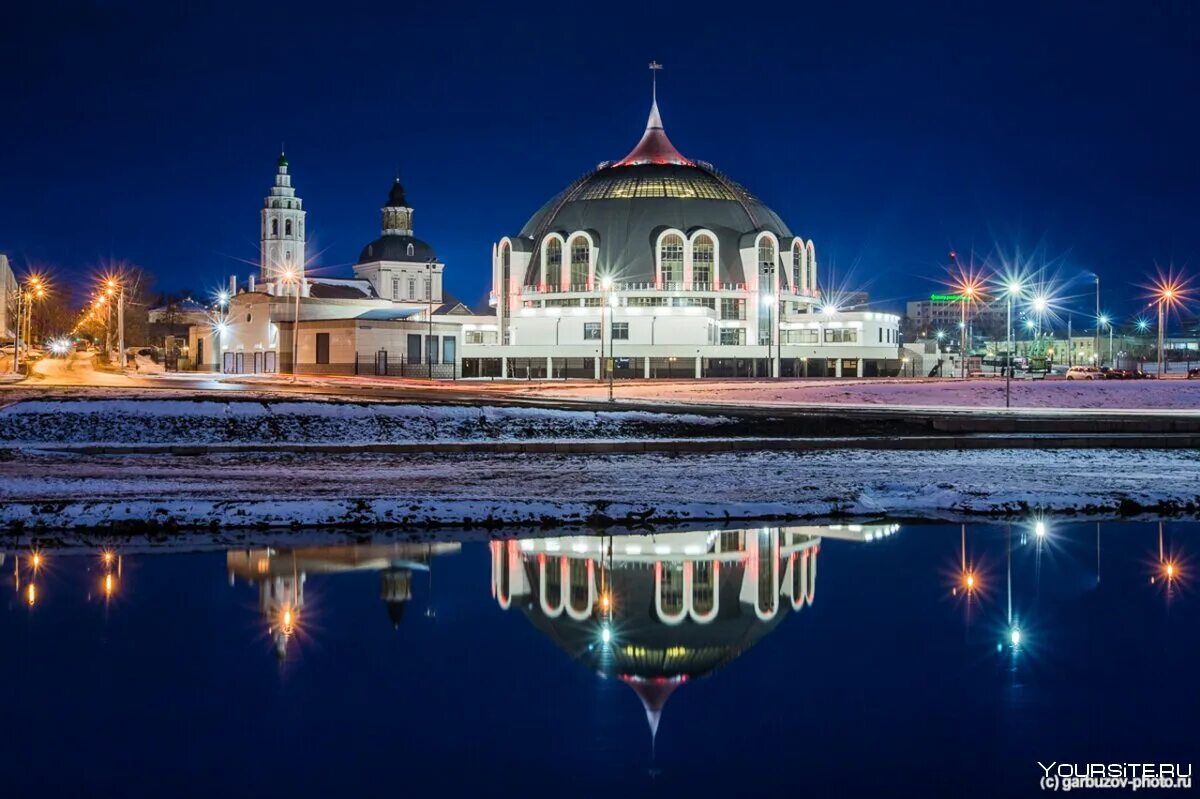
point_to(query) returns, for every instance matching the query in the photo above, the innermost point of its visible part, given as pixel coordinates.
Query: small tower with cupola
(282, 253)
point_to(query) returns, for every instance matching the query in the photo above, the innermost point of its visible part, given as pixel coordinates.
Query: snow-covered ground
(218, 420)
(411, 491)
(1170, 394)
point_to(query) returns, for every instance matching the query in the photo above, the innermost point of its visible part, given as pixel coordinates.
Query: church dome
(625, 205)
(397, 248)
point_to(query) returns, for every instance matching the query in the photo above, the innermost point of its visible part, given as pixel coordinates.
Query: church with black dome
(655, 265)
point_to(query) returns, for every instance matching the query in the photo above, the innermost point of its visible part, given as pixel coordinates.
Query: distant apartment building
(8, 299)
(923, 318)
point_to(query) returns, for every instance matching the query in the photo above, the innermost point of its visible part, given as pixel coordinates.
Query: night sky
(888, 133)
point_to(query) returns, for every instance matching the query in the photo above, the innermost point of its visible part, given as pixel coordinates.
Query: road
(76, 376)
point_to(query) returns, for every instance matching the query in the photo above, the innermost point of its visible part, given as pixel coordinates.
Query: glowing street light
(1105, 320)
(291, 277)
(606, 286)
(1014, 637)
(1168, 292)
(1012, 289)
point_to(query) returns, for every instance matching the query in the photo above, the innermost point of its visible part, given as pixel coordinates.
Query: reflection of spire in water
(654, 695)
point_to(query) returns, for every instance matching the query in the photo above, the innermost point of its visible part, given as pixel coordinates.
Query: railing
(674, 286)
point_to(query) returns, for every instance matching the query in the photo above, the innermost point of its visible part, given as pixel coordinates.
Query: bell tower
(282, 250)
(397, 214)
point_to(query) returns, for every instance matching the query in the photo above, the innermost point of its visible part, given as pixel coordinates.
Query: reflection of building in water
(658, 610)
(280, 575)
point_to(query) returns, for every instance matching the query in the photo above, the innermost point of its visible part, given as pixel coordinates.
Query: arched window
(287, 227)
(411, 251)
(767, 574)
(670, 260)
(703, 255)
(798, 266)
(580, 253)
(505, 266)
(812, 268)
(274, 227)
(766, 262)
(553, 271)
(578, 584)
(704, 586)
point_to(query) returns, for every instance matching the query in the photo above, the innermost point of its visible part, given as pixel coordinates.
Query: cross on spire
(654, 68)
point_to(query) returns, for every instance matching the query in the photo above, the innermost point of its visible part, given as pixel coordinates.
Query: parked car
(1084, 373)
(1193, 374)
(1118, 374)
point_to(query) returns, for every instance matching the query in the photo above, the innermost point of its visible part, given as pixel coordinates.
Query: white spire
(655, 121)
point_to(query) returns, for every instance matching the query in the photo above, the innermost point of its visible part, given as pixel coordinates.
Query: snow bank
(160, 493)
(131, 421)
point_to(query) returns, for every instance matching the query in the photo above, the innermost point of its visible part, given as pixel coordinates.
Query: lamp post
(769, 271)
(1165, 294)
(1103, 321)
(1096, 343)
(429, 298)
(113, 287)
(291, 277)
(962, 337)
(606, 283)
(1012, 289)
(17, 337)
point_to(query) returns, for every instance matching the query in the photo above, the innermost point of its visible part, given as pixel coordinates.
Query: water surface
(854, 660)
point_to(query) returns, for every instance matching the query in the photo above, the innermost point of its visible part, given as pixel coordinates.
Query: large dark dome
(396, 248)
(627, 204)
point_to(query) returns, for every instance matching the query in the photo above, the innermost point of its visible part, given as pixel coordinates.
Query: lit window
(580, 253)
(671, 260)
(553, 263)
(703, 253)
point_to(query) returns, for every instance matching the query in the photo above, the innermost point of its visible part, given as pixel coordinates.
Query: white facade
(8, 292)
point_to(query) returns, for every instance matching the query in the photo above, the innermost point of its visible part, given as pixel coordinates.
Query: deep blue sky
(888, 133)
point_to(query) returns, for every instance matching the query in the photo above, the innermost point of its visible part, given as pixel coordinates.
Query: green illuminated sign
(947, 298)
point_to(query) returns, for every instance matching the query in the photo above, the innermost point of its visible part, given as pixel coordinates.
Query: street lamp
(606, 285)
(1168, 293)
(1105, 321)
(1013, 289)
(291, 277)
(113, 287)
(429, 298)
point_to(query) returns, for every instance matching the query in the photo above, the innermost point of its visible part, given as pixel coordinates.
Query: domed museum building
(657, 265)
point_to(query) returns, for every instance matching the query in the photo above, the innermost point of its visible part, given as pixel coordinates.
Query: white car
(1084, 373)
